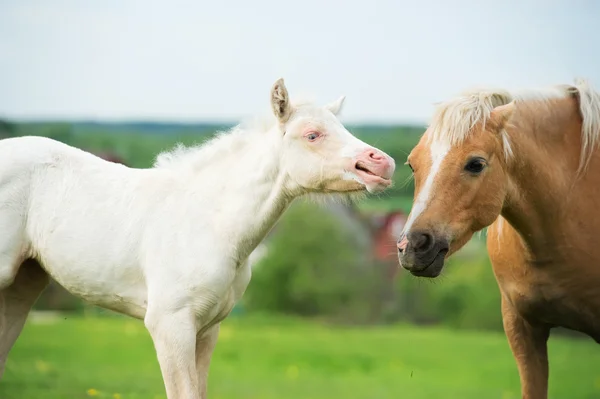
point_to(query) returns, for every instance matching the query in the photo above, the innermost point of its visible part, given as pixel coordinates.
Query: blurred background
(327, 313)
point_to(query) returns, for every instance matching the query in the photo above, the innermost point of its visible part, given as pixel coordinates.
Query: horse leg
(528, 343)
(205, 345)
(173, 331)
(16, 301)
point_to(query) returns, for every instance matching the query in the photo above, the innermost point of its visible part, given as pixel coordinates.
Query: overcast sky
(217, 59)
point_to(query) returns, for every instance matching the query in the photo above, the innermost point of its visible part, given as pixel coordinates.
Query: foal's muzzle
(422, 253)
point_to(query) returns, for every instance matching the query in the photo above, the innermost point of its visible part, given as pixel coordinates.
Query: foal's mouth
(367, 173)
(363, 168)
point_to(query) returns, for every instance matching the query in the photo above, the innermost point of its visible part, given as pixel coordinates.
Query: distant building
(110, 156)
(387, 230)
(376, 234)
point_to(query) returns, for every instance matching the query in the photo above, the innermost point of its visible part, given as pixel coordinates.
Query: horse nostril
(421, 241)
(401, 244)
(375, 156)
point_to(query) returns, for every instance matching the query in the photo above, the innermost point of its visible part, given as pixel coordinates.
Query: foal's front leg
(528, 343)
(174, 336)
(205, 345)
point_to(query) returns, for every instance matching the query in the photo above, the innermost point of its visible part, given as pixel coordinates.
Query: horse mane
(589, 106)
(221, 144)
(454, 120)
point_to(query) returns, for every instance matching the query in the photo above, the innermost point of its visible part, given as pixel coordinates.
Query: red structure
(111, 157)
(387, 231)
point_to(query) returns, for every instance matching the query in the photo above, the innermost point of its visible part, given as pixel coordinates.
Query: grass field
(284, 358)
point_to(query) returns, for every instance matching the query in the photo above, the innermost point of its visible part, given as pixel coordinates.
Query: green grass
(383, 203)
(282, 358)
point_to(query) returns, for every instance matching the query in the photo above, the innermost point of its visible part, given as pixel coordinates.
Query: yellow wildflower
(225, 333)
(292, 372)
(42, 366)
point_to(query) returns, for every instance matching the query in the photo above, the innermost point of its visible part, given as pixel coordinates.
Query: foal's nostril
(421, 241)
(374, 155)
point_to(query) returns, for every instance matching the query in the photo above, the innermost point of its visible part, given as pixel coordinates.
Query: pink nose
(377, 162)
(374, 155)
(402, 244)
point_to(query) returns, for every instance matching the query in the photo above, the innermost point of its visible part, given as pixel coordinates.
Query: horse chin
(345, 186)
(434, 269)
(358, 186)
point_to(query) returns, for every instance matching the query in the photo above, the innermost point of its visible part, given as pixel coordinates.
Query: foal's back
(78, 215)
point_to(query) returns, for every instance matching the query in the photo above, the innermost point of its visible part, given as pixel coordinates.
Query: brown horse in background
(527, 165)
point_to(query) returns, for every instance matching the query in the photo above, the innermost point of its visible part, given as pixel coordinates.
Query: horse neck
(546, 144)
(250, 191)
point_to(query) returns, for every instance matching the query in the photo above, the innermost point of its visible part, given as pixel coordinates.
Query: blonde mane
(453, 120)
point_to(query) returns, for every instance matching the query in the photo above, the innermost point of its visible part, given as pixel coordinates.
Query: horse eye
(475, 165)
(312, 136)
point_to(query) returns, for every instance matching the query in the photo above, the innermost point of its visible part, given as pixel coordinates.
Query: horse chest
(556, 306)
(230, 296)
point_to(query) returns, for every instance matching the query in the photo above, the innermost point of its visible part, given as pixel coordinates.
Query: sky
(196, 61)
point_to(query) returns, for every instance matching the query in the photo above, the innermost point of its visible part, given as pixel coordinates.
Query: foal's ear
(336, 106)
(280, 101)
(500, 116)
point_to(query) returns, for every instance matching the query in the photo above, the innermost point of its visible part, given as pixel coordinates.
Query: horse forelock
(454, 120)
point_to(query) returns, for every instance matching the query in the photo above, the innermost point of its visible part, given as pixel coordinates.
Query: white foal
(167, 244)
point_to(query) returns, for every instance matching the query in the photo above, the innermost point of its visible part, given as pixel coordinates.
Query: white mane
(223, 143)
(202, 154)
(454, 119)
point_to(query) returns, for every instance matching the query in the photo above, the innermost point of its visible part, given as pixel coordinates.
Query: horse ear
(280, 101)
(336, 106)
(500, 116)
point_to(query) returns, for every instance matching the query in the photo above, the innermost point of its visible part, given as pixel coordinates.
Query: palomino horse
(526, 165)
(167, 244)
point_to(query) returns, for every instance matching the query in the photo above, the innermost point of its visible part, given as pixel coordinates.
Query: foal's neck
(251, 191)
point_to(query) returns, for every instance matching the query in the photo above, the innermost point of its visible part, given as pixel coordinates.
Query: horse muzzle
(422, 253)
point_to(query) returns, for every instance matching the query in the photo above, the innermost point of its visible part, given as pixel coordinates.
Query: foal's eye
(475, 165)
(312, 136)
